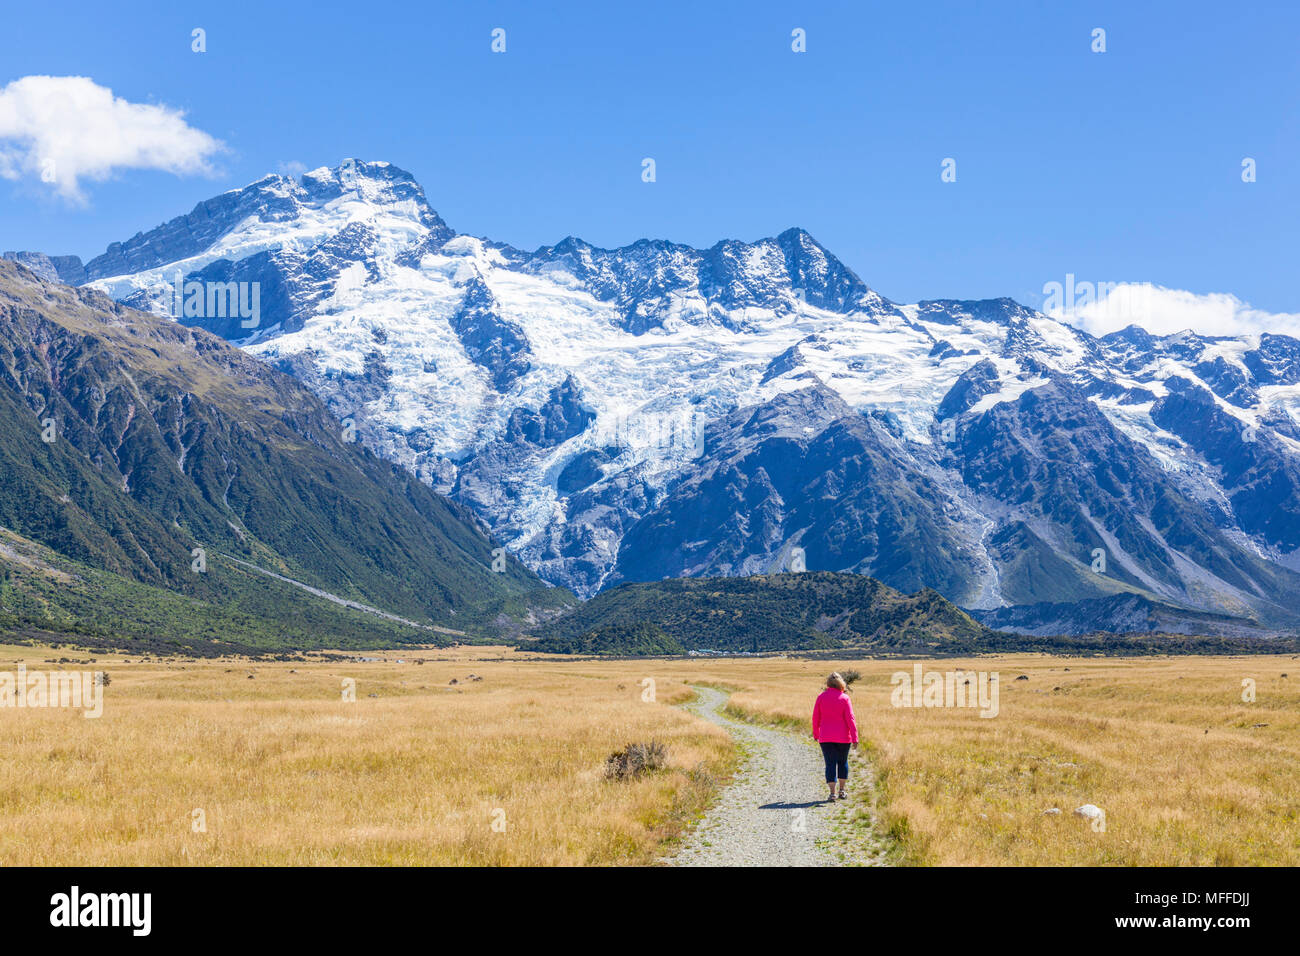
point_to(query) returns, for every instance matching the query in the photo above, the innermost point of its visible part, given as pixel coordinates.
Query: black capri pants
(837, 761)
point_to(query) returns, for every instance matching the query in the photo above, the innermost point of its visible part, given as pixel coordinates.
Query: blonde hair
(835, 680)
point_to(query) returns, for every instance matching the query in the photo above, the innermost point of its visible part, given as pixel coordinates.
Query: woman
(836, 730)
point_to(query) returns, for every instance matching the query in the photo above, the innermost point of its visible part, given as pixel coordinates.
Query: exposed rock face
(490, 339)
(67, 269)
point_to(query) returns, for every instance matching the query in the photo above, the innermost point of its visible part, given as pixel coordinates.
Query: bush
(636, 759)
(850, 677)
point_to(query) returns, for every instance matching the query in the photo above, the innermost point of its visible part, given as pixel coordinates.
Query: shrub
(636, 759)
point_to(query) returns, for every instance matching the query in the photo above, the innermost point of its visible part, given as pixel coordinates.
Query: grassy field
(509, 769)
(505, 770)
(1186, 772)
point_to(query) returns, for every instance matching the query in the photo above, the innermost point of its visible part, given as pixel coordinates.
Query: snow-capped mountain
(659, 410)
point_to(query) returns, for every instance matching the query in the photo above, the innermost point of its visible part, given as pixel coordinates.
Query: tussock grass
(1165, 746)
(287, 773)
(504, 771)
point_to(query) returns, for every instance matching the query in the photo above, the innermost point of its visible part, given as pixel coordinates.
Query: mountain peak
(352, 170)
(271, 200)
(800, 235)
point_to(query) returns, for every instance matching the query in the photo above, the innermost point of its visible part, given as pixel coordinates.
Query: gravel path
(775, 812)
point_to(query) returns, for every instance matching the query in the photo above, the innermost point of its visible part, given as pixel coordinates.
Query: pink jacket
(833, 721)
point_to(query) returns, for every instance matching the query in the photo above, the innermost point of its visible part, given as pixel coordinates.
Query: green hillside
(167, 439)
(48, 598)
(806, 611)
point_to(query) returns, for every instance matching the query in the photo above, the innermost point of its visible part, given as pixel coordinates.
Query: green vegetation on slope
(813, 610)
(51, 598)
(166, 439)
(848, 615)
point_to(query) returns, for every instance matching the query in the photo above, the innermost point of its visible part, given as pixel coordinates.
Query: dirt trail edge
(775, 811)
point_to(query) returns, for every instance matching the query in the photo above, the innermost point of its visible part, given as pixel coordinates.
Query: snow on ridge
(1009, 392)
(381, 344)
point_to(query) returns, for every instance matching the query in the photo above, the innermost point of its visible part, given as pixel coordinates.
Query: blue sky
(1116, 166)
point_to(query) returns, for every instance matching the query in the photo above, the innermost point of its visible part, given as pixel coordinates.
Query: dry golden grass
(285, 772)
(1166, 747)
(288, 773)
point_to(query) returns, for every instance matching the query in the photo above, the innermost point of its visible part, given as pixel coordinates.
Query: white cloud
(64, 129)
(1102, 308)
(293, 168)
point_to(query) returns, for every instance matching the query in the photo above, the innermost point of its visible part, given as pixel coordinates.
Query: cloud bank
(62, 130)
(1162, 311)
